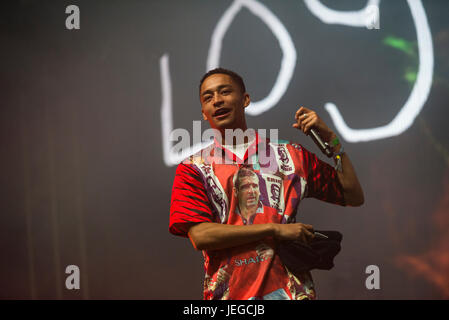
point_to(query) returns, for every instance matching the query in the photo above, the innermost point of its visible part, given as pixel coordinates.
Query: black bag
(319, 253)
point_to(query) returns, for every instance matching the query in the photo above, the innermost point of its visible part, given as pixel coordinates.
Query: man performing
(236, 208)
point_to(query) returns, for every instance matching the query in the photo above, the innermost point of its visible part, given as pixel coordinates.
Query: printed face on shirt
(282, 155)
(248, 192)
(223, 103)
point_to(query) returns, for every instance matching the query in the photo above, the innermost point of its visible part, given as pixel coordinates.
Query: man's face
(223, 103)
(248, 192)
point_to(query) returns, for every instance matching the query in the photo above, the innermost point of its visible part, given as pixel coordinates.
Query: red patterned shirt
(266, 186)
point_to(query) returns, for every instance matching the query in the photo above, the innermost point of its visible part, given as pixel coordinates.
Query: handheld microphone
(324, 146)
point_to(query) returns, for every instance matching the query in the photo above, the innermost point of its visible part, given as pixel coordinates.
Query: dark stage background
(83, 177)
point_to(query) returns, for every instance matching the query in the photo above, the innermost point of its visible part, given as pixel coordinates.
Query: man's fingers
(311, 235)
(305, 119)
(301, 111)
(308, 227)
(309, 126)
(306, 232)
(306, 236)
(305, 116)
(307, 123)
(302, 122)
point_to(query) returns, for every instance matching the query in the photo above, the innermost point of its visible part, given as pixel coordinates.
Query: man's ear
(204, 116)
(246, 100)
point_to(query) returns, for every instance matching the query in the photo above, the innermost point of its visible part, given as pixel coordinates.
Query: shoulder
(199, 158)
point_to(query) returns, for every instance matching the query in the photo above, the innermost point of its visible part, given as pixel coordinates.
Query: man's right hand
(293, 231)
(216, 236)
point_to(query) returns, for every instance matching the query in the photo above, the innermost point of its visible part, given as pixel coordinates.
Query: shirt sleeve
(189, 201)
(322, 179)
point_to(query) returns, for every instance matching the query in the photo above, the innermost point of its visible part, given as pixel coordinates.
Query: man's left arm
(353, 193)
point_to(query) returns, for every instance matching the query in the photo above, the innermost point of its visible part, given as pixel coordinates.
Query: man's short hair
(237, 78)
(244, 171)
